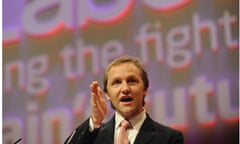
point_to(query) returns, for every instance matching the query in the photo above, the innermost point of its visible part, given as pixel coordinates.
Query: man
(125, 85)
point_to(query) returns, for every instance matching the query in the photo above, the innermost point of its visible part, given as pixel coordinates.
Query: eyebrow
(130, 76)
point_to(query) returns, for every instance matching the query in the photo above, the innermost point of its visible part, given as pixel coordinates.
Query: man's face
(126, 89)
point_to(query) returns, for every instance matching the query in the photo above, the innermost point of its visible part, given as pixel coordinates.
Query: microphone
(18, 141)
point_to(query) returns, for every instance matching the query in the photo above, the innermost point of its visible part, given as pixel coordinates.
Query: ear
(145, 92)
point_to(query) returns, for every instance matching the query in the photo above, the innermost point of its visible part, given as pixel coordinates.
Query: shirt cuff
(91, 125)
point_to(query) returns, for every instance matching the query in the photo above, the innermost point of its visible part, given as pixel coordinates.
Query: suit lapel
(146, 133)
(107, 132)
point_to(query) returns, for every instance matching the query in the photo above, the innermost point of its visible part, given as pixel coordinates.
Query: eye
(132, 80)
(115, 82)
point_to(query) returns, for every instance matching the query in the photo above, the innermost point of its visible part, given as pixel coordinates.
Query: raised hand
(98, 105)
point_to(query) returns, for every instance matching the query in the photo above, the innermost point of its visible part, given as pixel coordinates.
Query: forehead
(123, 69)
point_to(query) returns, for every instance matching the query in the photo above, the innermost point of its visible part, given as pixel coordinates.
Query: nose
(125, 88)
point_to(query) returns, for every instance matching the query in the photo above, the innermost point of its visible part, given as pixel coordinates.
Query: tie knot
(125, 124)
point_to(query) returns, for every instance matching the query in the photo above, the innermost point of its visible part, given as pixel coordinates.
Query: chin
(128, 113)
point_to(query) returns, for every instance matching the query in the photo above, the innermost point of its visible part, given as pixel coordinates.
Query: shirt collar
(136, 121)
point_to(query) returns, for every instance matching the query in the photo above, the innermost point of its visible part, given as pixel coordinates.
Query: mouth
(126, 99)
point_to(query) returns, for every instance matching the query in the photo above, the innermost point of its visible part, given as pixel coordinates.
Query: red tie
(122, 137)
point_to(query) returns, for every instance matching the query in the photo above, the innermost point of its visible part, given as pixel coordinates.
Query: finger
(98, 99)
(97, 108)
(94, 86)
(102, 99)
(98, 113)
(98, 91)
(101, 102)
(93, 92)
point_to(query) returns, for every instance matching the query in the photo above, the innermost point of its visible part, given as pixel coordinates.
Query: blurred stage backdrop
(53, 50)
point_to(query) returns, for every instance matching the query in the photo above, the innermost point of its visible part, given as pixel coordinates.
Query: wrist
(94, 124)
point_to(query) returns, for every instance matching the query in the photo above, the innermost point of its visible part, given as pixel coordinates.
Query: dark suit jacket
(151, 132)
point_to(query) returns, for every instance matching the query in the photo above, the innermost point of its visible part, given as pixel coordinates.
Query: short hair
(126, 59)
